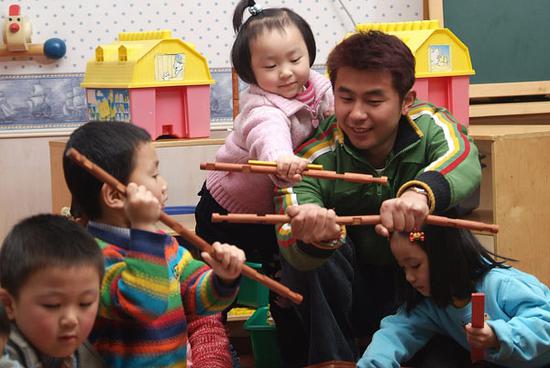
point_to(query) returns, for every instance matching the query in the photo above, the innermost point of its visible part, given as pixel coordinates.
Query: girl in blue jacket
(442, 267)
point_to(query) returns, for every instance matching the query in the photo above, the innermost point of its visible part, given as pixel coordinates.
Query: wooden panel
(493, 132)
(522, 202)
(488, 241)
(180, 167)
(514, 193)
(25, 185)
(486, 188)
(509, 89)
(61, 197)
(512, 108)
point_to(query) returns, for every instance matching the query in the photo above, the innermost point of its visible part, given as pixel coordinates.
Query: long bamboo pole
(192, 238)
(353, 220)
(322, 174)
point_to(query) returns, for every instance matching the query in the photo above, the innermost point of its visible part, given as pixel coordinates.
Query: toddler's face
(56, 308)
(280, 61)
(414, 262)
(146, 172)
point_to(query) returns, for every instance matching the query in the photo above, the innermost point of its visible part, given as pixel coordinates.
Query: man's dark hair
(267, 19)
(111, 146)
(378, 51)
(43, 241)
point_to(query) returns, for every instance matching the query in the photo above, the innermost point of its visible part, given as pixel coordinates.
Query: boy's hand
(226, 261)
(290, 168)
(481, 338)
(142, 207)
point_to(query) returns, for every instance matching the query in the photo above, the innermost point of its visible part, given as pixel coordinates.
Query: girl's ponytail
(239, 13)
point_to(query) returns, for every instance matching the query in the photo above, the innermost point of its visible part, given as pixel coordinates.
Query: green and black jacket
(432, 150)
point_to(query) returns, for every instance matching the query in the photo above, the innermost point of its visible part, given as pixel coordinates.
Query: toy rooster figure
(17, 30)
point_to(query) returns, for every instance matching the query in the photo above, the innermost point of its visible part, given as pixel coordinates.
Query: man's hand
(313, 224)
(290, 168)
(481, 338)
(226, 261)
(142, 207)
(405, 213)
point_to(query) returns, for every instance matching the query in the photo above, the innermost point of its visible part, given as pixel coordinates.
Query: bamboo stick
(353, 220)
(322, 174)
(192, 238)
(274, 164)
(33, 49)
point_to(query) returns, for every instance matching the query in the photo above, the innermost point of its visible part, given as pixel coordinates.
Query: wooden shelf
(514, 193)
(482, 215)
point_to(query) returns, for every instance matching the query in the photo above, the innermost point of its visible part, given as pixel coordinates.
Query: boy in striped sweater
(151, 283)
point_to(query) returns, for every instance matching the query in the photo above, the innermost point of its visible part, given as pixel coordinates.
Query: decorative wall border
(40, 103)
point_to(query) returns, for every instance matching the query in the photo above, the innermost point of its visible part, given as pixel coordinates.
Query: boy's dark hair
(4, 322)
(43, 241)
(111, 146)
(457, 262)
(267, 19)
(378, 51)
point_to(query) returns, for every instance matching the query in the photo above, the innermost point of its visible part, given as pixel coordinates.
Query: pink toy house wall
(183, 112)
(449, 92)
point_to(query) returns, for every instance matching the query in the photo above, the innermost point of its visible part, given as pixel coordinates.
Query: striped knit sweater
(150, 285)
(431, 150)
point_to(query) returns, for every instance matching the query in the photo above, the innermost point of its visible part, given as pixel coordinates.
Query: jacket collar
(110, 234)
(408, 133)
(34, 359)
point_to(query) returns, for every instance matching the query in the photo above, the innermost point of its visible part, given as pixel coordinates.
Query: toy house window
(99, 54)
(122, 53)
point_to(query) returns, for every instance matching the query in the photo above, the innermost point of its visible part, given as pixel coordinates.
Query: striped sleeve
(453, 170)
(301, 255)
(202, 291)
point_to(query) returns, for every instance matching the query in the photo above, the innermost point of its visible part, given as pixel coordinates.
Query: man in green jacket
(347, 274)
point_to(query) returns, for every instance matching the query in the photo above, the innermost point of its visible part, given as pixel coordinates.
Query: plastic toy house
(443, 64)
(150, 79)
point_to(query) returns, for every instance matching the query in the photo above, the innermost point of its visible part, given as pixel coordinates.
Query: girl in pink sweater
(273, 52)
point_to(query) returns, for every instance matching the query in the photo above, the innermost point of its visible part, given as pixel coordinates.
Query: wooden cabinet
(515, 193)
(179, 165)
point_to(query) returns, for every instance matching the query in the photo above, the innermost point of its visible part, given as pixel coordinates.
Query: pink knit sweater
(209, 343)
(267, 127)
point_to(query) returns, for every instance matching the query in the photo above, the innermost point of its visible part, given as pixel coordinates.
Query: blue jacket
(518, 308)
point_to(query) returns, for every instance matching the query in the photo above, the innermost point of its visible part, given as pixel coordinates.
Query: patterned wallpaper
(83, 25)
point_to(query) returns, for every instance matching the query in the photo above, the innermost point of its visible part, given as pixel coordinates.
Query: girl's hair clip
(416, 236)
(255, 9)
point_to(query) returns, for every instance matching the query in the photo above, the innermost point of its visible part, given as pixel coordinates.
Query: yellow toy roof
(438, 52)
(146, 59)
